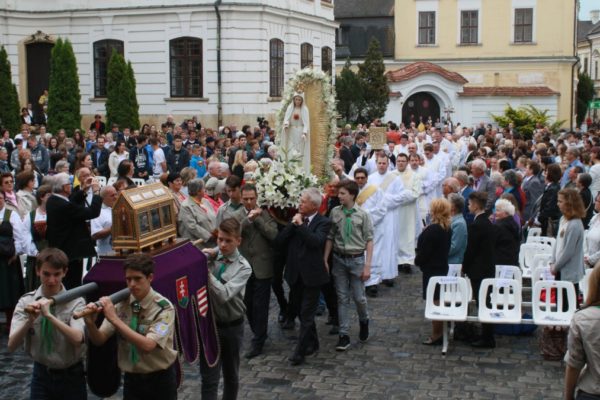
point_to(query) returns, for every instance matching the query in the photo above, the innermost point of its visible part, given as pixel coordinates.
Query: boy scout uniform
(58, 365)
(151, 373)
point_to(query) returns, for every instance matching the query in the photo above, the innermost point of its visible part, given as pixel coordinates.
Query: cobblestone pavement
(393, 364)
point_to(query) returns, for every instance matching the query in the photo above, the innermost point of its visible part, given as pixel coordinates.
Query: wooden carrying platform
(143, 218)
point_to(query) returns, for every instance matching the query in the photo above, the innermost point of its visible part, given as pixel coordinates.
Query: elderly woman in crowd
(25, 187)
(508, 234)
(214, 188)
(567, 258)
(187, 174)
(7, 182)
(458, 225)
(511, 185)
(583, 346)
(196, 220)
(583, 185)
(433, 246)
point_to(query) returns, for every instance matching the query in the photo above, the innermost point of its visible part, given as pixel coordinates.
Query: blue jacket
(458, 243)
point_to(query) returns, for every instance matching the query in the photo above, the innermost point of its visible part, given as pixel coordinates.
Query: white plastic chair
(111, 180)
(454, 304)
(541, 274)
(542, 239)
(584, 283)
(534, 231)
(455, 270)
(508, 272)
(548, 313)
(500, 311)
(138, 181)
(526, 254)
(101, 180)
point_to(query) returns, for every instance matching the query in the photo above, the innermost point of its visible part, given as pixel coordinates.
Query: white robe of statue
(409, 217)
(295, 136)
(385, 252)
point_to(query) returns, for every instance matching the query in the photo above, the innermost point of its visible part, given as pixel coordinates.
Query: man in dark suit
(305, 270)
(67, 227)
(259, 230)
(465, 191)
(482, 183)
(479, 260)
(533, 187)
(100, 158)
(346, 154)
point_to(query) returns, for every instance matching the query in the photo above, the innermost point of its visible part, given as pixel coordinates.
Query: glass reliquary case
(143, 217)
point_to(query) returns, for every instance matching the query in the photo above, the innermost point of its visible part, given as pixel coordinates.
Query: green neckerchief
(225, 261)
(134, 356)
(235, 206)
(348, 226)
(47, 331)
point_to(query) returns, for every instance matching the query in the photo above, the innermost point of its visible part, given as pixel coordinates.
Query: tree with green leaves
(9, 100)
(585, 94)
(64, 99)
(375, 90)
(525, 119)
(348, 93)
(121, 102)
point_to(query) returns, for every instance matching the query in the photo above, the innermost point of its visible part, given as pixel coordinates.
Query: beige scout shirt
(63, 354)
(584, 348)
(362, 231)
(156, 321)
(227, 286)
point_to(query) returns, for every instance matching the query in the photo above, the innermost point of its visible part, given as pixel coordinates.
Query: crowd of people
(433, 195)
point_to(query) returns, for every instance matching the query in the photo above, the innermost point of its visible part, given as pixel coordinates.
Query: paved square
(393, 364)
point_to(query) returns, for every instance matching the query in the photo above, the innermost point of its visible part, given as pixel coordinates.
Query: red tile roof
(419, 68)
(515, 91)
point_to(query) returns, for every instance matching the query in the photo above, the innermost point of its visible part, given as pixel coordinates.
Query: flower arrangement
(279, 184)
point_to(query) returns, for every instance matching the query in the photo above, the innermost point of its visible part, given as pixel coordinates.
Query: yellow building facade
(473, 57)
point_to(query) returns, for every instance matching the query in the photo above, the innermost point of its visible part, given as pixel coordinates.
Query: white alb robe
(409, 217)
(372, 206)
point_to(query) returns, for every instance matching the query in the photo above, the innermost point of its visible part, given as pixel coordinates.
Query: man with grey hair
(101, 227)
(449, 186)
(213, 171)
(3, 160)
(67, 227)
(465, 191)
(482, 183)
(196, 220)
(572, 156)
(305, 271)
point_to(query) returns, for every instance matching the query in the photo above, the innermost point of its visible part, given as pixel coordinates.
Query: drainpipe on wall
(573, 88)
(219, 91)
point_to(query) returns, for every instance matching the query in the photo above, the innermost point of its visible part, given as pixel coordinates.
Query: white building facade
(174, 50)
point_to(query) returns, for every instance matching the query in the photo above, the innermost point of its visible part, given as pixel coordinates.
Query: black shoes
(281, 318)
(288, 325)
(343, 343)
(296, 359)
(372, 291)
(388, 282)
(253, 352)
(363, 334)
(404, 268)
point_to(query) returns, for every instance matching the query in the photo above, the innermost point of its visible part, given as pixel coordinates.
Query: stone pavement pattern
(393, 364)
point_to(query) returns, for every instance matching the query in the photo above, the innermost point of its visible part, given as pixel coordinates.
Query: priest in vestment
(370, 199)
(427, 192)
(385, 254)
(409, 214)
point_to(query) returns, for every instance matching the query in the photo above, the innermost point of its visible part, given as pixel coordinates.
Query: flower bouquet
(279, 185)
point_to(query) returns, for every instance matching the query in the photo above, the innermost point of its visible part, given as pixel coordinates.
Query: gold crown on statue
(300, 88)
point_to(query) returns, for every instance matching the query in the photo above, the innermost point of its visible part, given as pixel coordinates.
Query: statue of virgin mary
(295, 136)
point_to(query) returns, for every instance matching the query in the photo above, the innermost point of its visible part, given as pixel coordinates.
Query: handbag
(553, 343)
(7, 243)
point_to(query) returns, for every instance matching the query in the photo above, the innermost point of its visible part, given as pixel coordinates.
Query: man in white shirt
(159, 160)
(101, 226)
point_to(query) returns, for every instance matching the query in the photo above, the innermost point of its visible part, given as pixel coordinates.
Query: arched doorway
(38, 74)
(421, 104)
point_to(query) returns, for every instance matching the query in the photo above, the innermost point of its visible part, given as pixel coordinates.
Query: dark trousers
(330, 295)
(74, 274)
(230, 340)
(487, 330)
(581, 395)
(277, 282)
(67, 384)
(153, 385)
(257, 298)
(305, 300)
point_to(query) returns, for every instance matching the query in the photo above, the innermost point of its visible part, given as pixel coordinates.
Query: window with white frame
(469, 26)
(523, 25)
(427, 27)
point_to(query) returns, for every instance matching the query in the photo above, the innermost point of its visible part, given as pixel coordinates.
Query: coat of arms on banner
(202, 297)
(183, 295)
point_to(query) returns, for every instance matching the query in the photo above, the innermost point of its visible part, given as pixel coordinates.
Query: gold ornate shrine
(143, 217)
